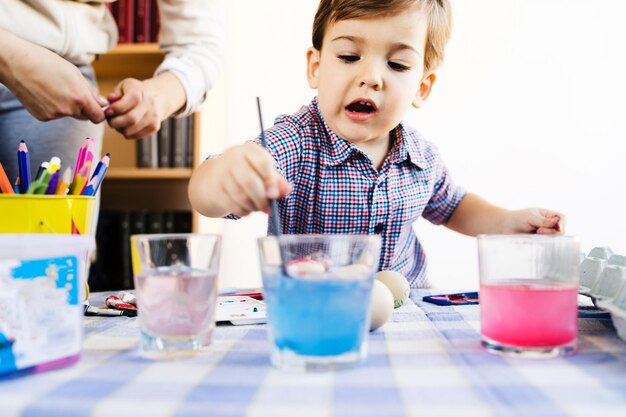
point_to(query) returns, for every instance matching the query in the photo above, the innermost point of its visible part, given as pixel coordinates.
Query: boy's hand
(248, 179)
(539, 221)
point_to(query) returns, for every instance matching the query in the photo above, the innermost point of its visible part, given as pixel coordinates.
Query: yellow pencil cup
(26, 213)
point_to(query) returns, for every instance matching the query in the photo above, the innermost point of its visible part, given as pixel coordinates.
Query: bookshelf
(126, 186)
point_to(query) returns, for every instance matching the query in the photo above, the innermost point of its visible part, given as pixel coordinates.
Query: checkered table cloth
(427, 361)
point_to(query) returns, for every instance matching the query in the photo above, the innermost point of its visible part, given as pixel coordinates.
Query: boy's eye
(397, 66)
(349, 58)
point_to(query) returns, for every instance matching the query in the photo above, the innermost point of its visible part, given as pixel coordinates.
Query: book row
(170, 147)
(112, 268)
(137, 20)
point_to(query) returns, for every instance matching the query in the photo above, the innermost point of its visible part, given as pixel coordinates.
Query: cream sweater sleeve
(192, 39)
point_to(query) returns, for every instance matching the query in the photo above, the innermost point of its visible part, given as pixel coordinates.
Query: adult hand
(138, 107)
(48, 86)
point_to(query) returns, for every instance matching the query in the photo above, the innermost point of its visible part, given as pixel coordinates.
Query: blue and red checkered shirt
(337, 189)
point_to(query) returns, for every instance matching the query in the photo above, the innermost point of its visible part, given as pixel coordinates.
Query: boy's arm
(240, 181)
(205, 194)
(474, 216)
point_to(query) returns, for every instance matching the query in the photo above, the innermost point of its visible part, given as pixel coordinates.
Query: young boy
(346, 163)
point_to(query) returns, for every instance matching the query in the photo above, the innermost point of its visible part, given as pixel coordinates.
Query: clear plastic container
(42, 282)
(603, 279)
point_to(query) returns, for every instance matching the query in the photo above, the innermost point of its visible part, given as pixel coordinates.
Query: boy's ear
(312, 66)
(424, 91)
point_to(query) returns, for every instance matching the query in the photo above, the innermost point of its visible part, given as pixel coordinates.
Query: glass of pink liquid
(529, 294)
(176, 287)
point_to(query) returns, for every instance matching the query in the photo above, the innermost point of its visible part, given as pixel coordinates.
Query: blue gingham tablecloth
(427, 361)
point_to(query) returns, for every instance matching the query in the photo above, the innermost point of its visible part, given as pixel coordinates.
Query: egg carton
(603, 279)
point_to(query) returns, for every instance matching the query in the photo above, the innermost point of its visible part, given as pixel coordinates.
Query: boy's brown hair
(439, 15)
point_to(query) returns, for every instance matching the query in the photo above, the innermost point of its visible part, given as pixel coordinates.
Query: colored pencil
(5, 184)
(85, 153)
(103, 162)
(89, 143)
(80, 180)
(54, 181)
(64, 182)
(23, 162)
(98, 176)
(80, 159)
(49, 179)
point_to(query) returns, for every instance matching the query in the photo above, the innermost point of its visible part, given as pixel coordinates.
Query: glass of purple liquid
(529, 294)
(318, 293)
(176, 288)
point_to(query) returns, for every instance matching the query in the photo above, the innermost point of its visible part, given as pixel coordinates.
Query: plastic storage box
(603, 278)
(41, 310)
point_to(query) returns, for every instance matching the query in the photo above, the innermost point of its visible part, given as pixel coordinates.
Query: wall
(527, 111)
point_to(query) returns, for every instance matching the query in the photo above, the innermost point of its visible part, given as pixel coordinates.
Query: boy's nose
(371, 77)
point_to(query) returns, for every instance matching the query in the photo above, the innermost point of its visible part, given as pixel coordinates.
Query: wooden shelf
(148, 173)
(145, 194)
(134, 49)
(137, 60)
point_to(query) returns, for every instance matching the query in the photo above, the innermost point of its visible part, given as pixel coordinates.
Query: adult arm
(191, 37)
(48, 86)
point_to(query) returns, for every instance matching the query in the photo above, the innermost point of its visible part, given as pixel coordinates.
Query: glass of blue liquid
(318, 294)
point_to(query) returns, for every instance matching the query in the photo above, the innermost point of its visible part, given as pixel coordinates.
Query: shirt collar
(406, 146)
(335, 150)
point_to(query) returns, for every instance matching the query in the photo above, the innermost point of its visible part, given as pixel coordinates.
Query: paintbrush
(275, 215)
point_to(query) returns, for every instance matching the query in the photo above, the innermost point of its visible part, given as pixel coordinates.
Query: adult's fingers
(144, 132)
(129, 124)
(92, 111)
(125, 96)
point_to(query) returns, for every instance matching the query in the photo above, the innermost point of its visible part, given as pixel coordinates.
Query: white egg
(382, 305)
(366, 258)
(350, 271)
(397, 284)
(305, 268)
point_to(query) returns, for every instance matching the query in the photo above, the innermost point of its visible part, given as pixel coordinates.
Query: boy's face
(369, 72)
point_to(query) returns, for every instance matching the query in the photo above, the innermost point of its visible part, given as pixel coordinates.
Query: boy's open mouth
(362, 106)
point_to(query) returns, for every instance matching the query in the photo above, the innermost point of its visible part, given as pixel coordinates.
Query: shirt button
(378, 229)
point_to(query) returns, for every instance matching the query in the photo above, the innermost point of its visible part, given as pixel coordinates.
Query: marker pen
(108, 312)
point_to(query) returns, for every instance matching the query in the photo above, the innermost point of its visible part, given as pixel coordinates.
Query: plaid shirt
(337, 189)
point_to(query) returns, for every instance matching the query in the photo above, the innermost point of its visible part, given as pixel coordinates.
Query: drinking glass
(176, 287)
(318, 293)
(529, 294)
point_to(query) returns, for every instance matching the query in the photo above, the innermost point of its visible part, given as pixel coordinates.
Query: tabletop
(426, 361)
